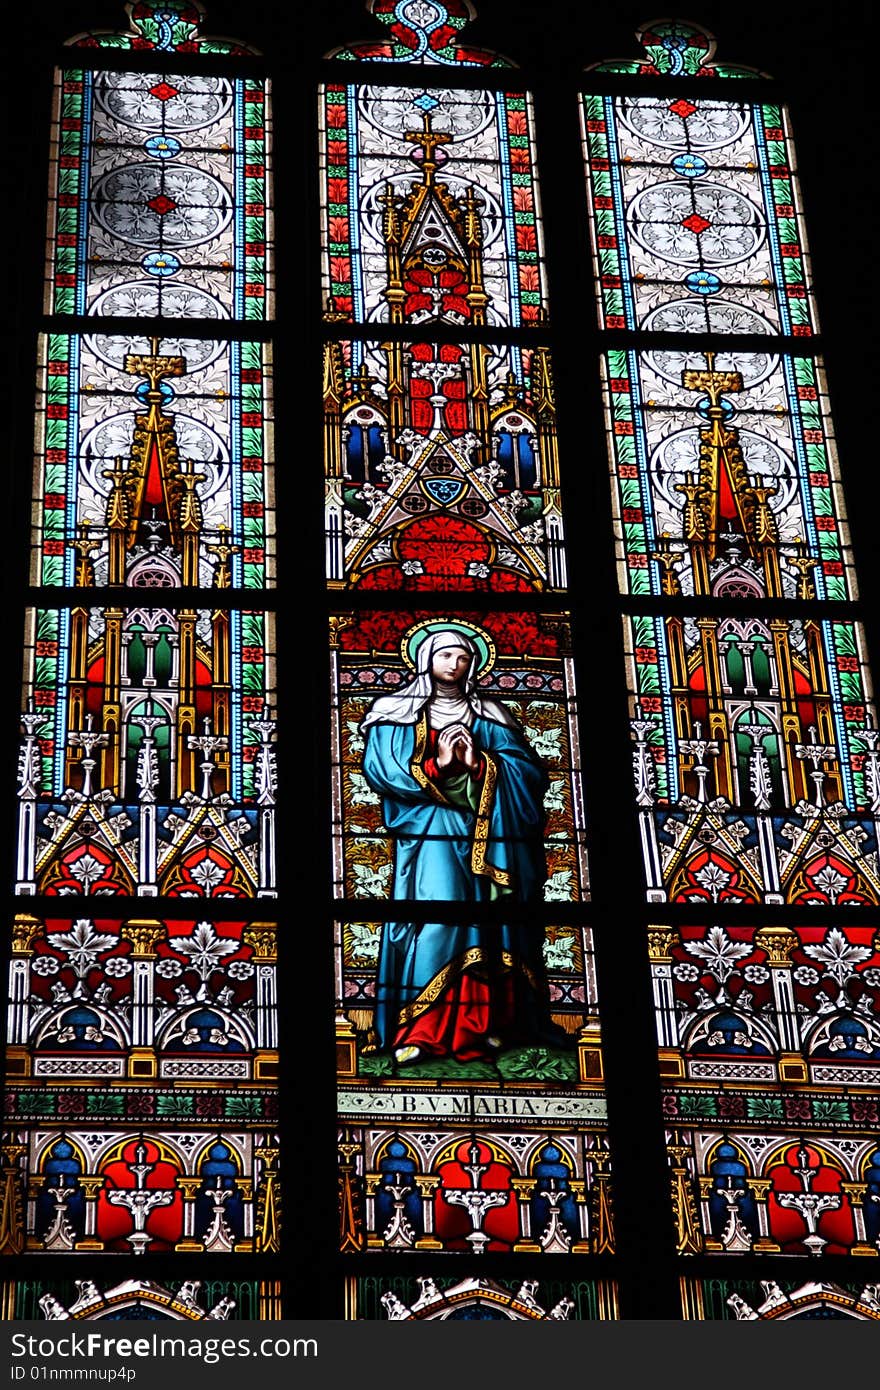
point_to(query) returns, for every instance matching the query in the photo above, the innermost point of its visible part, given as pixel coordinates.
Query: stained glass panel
(772, 1300)
(768, 1059)
(159, 197)
(674, 48)
(442, 468)
(161, 1026)
(191, 1300)
(408, 1298)
(153, 463)
(725, 475)
(756, 766)
(525, 784)
(421, 31)
(430, 210)
(696, 217)
(208, 1180)
(147, 764)
(184, 1001)
(168, 26)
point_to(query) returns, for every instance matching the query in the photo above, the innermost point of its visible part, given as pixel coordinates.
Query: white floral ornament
(205, 949)
(45, 965)
(240, 970)
(117, 967)
(838, 955)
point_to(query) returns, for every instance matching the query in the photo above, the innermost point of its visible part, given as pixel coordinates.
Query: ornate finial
(421, 31)
(84, 544)
(166, 26)
(224, 552)
(712, 382)
(427, 142)
(675, 48)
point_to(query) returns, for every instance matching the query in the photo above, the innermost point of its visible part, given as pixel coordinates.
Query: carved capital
(779, 943)
(262, 937)
(25, 930)
(144, 936)
(660, 943)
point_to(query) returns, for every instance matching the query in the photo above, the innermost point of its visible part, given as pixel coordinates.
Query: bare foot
(405, 1055)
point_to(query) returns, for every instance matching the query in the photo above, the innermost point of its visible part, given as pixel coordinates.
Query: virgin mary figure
(462, 795)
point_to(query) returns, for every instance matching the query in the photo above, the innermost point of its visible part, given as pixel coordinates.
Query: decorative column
(660, 943)
(372, 1183)
(761, 788)
(29, 780)
(245, 1186)
(760, 1190)
(147, 781)
(646, 785)
(711, 1243)
(688, 1238)
(266, 783)
(221, 692)
(90, 1185)
(262, 938)
(186, 706)
(602, 1216)
(524, 1188)
(12, 1229)
(582, 1199)
(426, 1186)
(25, 931)
(111, 707)
(855, 1193)
(189, 1188)
(351, 1231)
(144, 935)
(779, 944)
(268, 1223)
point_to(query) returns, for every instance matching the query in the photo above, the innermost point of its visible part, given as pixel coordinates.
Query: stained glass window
(142, 1048)
(754, 757)
(580, 805)
(471, 1102)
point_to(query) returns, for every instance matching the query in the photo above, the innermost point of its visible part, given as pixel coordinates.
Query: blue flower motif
(162, 146)
(160, 263)
(692, 166)
(702, 282)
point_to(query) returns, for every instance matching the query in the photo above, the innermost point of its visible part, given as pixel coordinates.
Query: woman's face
(450, 664)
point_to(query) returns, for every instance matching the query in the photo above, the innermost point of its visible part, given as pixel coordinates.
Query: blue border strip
(797, 435)
(507, 204)
(236, 451)
(239, 203)
(61, 692)
(85, 166)
(73, 402)
(670, 738)
(619, 219)
(236, 753)
(639, 436)
(849, 792)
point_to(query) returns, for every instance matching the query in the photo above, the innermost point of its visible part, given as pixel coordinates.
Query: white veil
(406, 706)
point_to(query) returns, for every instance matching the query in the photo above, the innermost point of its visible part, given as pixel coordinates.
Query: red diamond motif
(163, 90)
(161, 205)
(695, 223)
(683, 108)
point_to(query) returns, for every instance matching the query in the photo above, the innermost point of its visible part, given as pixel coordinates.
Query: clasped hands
(455, 744)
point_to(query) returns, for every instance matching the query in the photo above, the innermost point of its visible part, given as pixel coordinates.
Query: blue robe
(461, 839)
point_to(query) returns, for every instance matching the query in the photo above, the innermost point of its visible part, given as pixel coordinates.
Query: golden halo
(414, 637)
